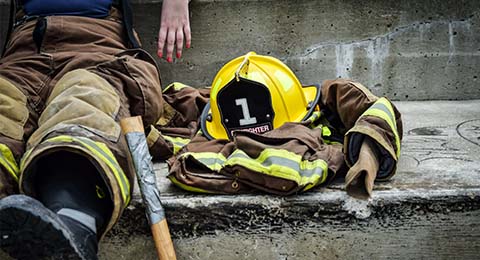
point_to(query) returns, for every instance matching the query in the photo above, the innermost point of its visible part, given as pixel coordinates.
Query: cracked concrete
(377, 49)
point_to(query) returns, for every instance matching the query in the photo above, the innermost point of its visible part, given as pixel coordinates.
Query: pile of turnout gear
(258, 128)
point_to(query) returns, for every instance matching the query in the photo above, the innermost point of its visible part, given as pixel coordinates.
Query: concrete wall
(406, 50)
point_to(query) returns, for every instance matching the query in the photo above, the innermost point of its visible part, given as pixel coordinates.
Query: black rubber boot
(69, 180)
(72, 206)
(29, 230)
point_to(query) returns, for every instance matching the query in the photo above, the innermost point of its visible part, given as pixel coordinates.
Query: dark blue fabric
(90, 8)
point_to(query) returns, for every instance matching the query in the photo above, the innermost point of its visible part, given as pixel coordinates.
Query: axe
(132, 127)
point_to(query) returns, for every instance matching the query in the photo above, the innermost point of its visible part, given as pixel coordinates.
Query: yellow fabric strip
(273, 162)
(176, 86)
(331, 142)
(282, 164)
(326, 131)
(8, 161)
(188, 188)
(102, 152)
(213, 161)
(315, 115)
(377, 111)
(177, 142)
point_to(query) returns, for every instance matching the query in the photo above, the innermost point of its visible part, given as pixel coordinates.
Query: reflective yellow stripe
(282, 164)
(176, 86)
(24, 157)
(384, 105)
(313, 119)
(188, 188)
(100, 192)
(102, 152)
(315, 115)
(330, 142)
(381, 114)
(309, 186)
(326, 131)
(177, 142)
(8, 161)
(214, 161)
(384, 110)
(321, 124)
(274, 162)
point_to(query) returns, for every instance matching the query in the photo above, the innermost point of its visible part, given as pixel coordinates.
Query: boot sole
(30, 231)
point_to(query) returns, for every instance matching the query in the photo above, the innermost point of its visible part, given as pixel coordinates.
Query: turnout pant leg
(14, 124)
(81, 116)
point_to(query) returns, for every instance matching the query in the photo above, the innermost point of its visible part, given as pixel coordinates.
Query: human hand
(174, 28)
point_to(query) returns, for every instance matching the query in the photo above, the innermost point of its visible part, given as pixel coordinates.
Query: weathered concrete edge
(198, 215)
(324, 196)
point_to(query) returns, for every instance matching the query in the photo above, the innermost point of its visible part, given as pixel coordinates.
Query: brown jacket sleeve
(179, 122)
(357, 114)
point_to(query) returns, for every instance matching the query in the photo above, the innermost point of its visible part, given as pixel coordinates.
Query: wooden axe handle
(132, 124)
(163, 240)
(160, 231)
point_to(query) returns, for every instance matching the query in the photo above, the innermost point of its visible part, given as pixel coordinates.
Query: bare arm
(174, 28)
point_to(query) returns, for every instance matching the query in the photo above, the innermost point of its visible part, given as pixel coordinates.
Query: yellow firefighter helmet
(256, 93)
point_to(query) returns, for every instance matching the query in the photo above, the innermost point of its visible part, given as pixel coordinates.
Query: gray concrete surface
(431, 209)
(407, 50)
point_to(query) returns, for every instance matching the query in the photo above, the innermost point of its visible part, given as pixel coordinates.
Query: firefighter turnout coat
(290, 159)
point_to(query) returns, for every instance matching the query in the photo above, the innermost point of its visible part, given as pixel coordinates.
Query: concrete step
(430, 210)
(406, 50)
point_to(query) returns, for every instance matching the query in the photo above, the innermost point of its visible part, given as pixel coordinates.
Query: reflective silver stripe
(210, 161)
(285, 162)
(79, 216)
(177, 142)
(315, 115)
(384, 108)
